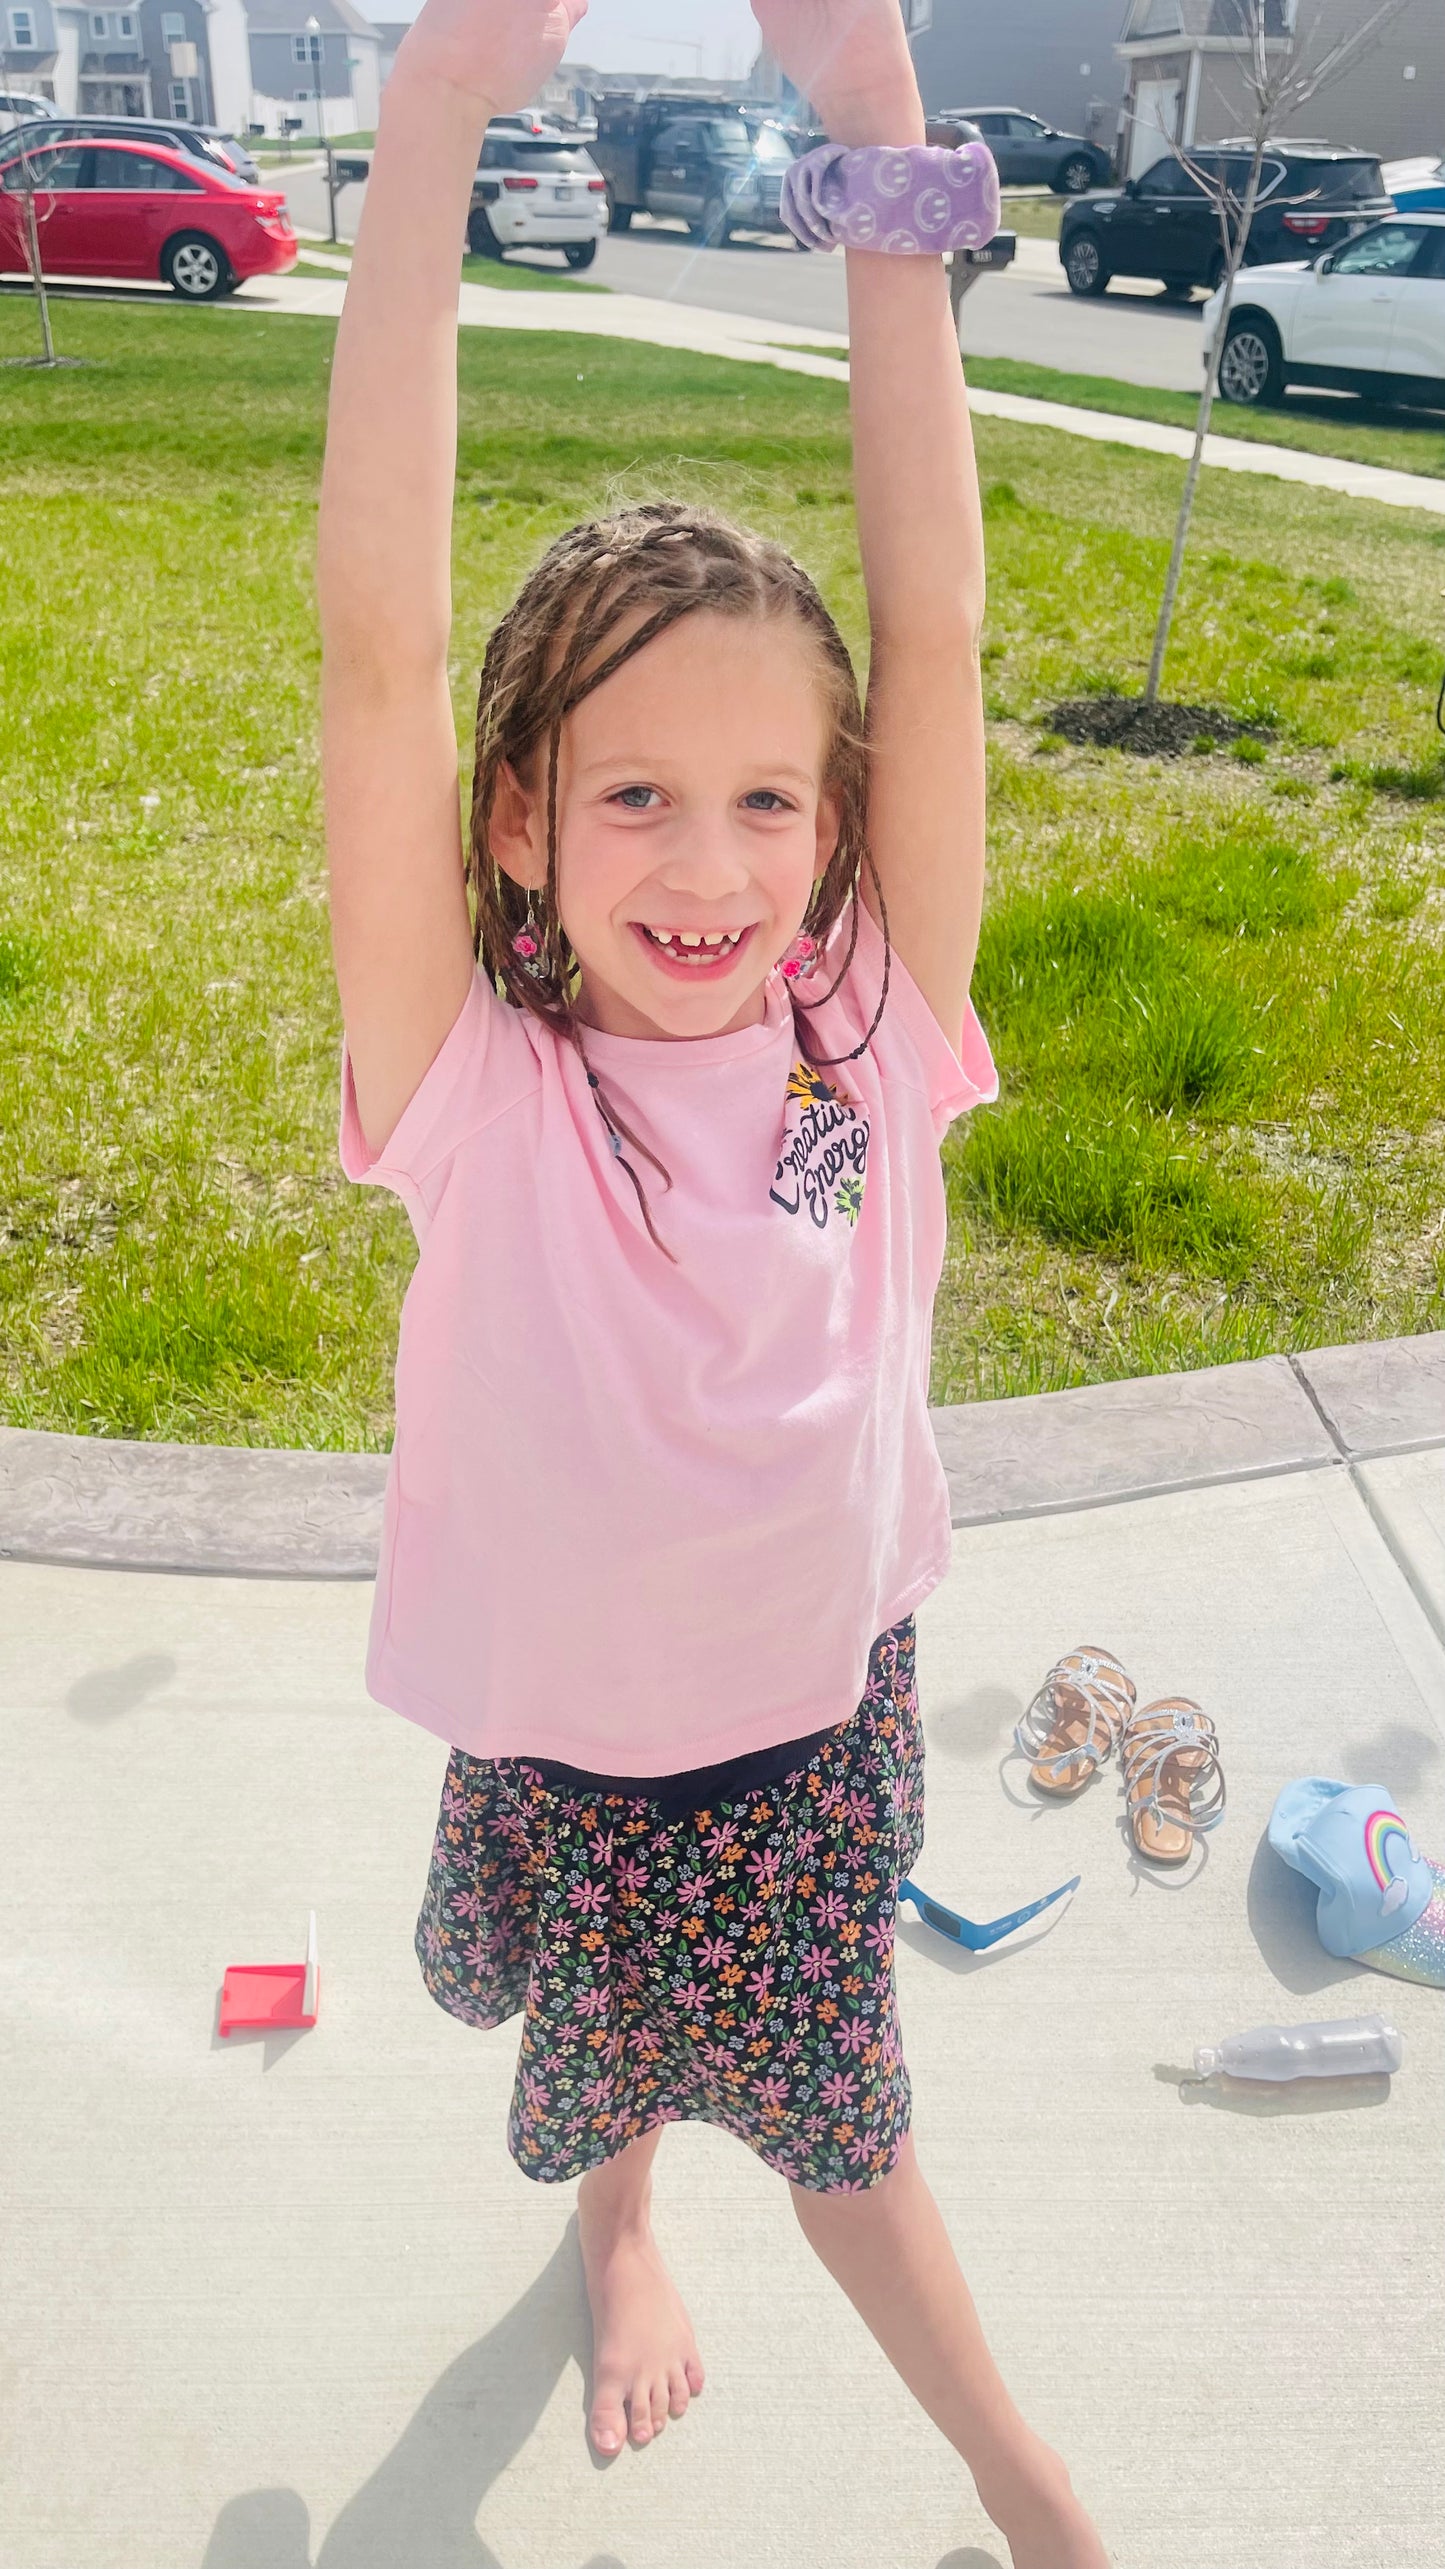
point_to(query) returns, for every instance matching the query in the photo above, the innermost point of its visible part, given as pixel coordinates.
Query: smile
(695, 950)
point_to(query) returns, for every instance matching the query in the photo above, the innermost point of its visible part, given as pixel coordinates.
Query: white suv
(536, 192)
(1369, 317)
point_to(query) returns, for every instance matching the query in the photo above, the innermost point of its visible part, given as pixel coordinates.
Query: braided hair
(660, 561)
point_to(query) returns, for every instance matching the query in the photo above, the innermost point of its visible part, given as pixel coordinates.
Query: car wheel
(580, 254)
(197, 268)
(1084, 264)
(1076, 176)
(481, 239)
(1251, 369)
(712, 224)
(619, 217)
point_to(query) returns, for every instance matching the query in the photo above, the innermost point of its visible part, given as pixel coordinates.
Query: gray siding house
(1182, 76)
(289, 66)
(107, 61)
(1054, 58)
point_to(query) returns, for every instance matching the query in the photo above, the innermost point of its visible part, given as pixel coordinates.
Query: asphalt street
(1132, 334)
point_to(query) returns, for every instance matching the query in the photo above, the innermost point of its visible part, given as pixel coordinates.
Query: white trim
(23, 44)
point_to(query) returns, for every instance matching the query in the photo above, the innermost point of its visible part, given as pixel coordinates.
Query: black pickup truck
(697, 160)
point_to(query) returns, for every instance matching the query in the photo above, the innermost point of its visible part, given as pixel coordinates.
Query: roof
(288, 18)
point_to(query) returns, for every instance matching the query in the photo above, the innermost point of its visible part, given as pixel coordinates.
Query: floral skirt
(734, 1966)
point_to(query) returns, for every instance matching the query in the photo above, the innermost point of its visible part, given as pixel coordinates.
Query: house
(289, 66)
(1182, 69)
(231, 63)
(1054, 58)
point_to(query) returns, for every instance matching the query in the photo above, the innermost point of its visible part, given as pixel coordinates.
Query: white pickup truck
(1368, 317)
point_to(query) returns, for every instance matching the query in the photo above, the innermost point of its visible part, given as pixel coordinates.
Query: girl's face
(690, 802)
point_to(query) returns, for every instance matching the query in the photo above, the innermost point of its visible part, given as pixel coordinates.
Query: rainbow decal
(1380, 1828)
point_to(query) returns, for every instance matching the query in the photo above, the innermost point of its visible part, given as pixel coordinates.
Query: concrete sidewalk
(285, 2303)
(801, 351)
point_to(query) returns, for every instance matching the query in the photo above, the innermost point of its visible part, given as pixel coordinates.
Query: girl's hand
(498, 51)
(851, 58)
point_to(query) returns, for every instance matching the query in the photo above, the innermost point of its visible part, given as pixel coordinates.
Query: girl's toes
(677, 2392)
(693, 2374)
(640, 2410)
(607, 2425)
(658, 2404)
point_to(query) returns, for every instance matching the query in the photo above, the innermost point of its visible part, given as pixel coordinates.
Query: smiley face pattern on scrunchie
(912, 199)
(732, 1967)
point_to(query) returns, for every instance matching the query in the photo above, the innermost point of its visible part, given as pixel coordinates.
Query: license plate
(564, 195)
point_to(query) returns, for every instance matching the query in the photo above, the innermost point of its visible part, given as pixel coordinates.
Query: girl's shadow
(421, 2503)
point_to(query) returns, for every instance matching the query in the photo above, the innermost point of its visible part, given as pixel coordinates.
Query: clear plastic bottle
(1346, 2048)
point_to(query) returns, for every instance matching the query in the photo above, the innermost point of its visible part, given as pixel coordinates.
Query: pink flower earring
(527, 946)
(800, 959)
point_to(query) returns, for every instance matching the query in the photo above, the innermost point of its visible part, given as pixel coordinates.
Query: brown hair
(550, 650)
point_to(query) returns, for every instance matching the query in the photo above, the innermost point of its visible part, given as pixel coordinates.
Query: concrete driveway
(284, 2302)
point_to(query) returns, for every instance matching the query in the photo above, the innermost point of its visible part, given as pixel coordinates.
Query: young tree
(1282, 62)
(32, 221)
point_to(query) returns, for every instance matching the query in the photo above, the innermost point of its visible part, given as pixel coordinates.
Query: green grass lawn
(511, 275)
(1214, 987)
(1035, 214)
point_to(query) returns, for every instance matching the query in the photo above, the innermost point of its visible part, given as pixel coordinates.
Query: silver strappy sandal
(1076, 1720)
(1173, 1781)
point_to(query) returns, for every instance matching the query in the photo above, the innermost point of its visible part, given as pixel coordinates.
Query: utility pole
(313, 30)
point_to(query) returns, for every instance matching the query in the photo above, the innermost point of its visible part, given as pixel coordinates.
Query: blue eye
(634, 798)
(765, 800)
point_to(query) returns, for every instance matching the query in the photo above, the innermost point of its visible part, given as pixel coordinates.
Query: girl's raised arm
(919, 526)
(400, 933)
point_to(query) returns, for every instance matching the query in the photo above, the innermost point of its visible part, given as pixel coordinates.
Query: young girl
(663, 1496)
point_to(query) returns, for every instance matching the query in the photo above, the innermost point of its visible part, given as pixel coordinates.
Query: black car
(675, 156)
(1164, 224)
(203, 142)
(1030, 153)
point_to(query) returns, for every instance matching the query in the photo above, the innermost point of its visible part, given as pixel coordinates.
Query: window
(1389, 251)
(1024, 129)
(306, 49)
(1168, 178)
(132, 171)
(307, 97)
(60, 167)
(508, 151)
(173, 28)
(99, 25)
(125, 26)
(22, 30)
(181, 98)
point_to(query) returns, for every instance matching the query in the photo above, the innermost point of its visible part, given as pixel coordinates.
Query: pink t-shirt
(642, 1517)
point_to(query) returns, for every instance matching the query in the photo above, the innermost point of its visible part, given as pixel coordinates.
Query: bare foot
(645, 2365)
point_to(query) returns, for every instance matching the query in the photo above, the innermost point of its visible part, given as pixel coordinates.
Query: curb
(92, 1502)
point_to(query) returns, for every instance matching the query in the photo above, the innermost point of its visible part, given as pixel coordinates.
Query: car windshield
(770, 145)
(520, 151)
(730, 139)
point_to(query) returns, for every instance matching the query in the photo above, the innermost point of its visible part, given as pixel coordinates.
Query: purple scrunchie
(882, 196)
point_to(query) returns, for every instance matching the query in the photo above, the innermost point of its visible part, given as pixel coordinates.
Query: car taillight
(597, 187)
(1308, 226)
(518, 186)
(277, 225)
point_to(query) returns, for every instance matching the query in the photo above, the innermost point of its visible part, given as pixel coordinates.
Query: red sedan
(143, 210)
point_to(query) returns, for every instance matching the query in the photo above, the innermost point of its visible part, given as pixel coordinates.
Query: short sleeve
(909, 1042)
(485, 1064)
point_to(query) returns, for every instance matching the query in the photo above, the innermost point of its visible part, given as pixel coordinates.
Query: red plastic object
(271, 1995)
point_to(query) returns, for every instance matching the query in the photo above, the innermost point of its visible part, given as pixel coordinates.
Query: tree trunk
(1234, 249)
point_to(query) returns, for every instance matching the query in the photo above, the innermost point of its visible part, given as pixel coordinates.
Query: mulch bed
(1150, 731)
